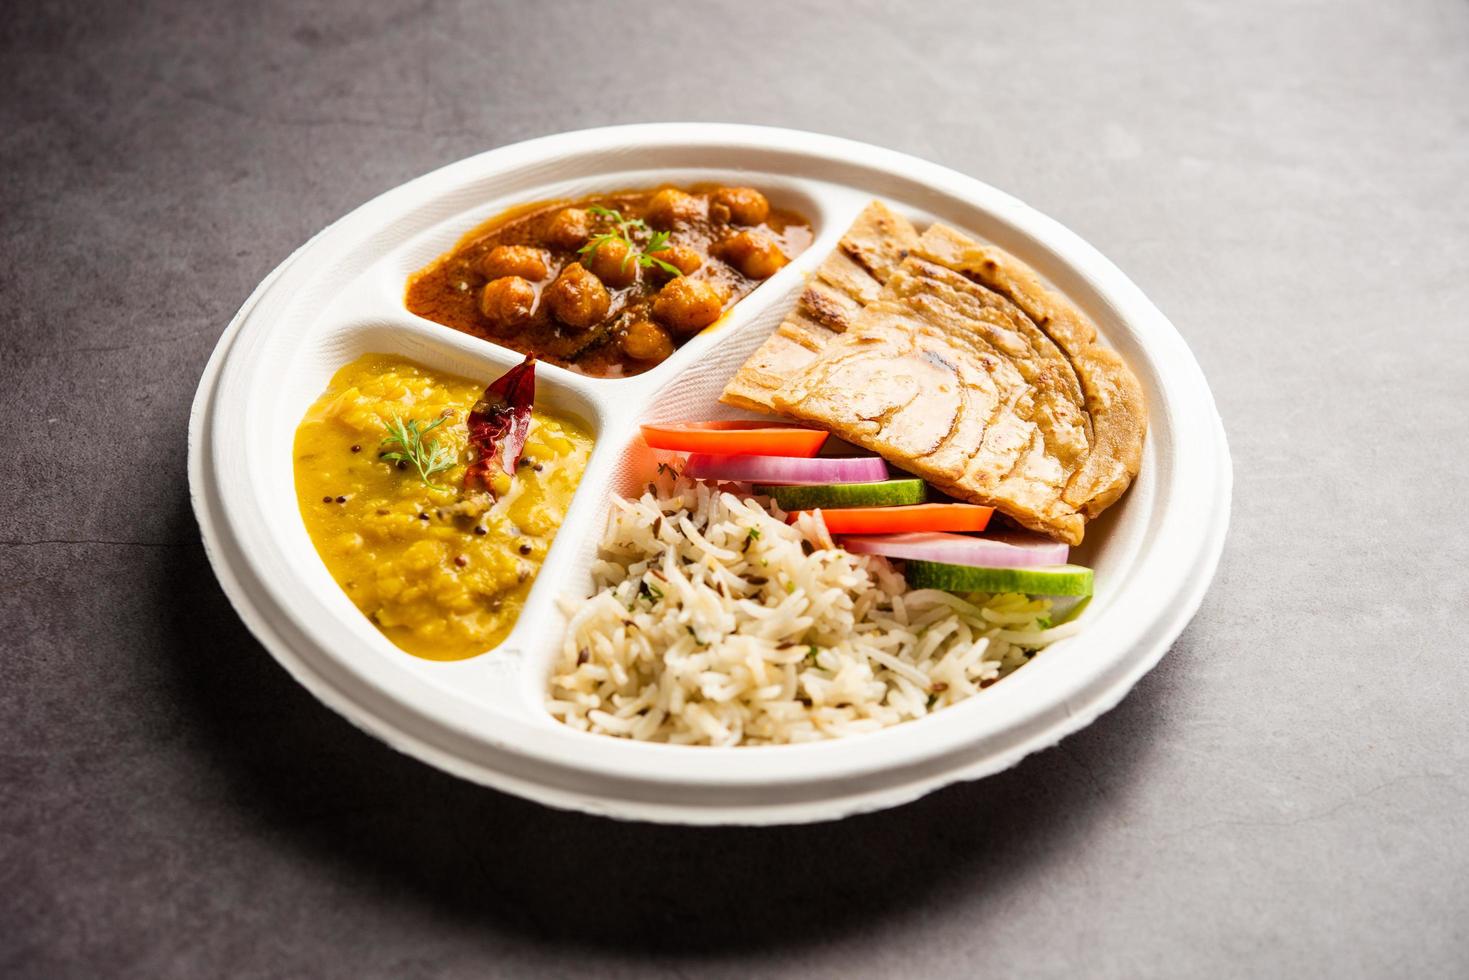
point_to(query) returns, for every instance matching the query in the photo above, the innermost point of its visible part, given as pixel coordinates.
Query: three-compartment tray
(341, 295)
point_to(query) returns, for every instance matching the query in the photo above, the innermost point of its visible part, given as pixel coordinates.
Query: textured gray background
(1285, 794)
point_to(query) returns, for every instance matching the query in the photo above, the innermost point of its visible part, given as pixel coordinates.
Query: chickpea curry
(609, 285)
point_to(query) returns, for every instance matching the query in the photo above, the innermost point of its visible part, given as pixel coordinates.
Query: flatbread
(850, 278)
(964, 369)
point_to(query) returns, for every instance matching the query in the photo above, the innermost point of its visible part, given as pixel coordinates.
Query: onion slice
(992, 551)
(785, 469)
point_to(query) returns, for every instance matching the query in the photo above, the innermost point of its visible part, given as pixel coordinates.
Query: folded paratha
(849, 279)
(965, 370)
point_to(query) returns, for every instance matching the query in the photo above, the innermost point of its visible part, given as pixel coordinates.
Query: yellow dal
(399, 567)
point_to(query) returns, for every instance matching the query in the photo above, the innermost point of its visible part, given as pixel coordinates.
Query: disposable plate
(341, 295)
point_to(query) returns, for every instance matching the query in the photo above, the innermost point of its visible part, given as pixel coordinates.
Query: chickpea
(670, 208)
(507, 302)
(746, 205)
(570, 229)
(681, 257)
(577, 298)
(688, 305)
(514, 260)
(614, 263)
(752, 253)
(646, 341)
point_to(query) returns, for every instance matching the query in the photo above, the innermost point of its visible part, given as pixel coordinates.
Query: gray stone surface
(1285, 794)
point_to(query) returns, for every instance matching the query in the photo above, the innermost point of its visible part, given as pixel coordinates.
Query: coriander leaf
(427, 458)
(622, 231)
(596, 242)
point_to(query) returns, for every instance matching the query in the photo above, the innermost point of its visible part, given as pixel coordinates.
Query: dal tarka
(433, 500)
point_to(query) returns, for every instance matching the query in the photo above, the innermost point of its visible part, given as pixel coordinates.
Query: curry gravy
(572, 284)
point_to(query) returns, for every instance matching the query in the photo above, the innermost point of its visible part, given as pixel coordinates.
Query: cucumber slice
(887, 493)
(1036, 580)
(1074, 612)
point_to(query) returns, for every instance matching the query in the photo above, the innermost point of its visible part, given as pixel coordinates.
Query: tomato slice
(913, 517)
(736, 437)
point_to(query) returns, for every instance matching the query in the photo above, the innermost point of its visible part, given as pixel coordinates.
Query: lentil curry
(380, 462)
(609, 285)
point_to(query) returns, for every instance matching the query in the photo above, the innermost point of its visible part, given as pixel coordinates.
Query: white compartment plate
(341, 295)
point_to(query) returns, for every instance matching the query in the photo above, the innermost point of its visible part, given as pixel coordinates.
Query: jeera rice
(714, 622)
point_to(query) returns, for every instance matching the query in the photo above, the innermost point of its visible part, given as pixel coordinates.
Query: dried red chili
(500, 421)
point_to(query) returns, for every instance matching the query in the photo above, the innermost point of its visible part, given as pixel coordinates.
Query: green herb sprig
(428, 458)
(622, 229)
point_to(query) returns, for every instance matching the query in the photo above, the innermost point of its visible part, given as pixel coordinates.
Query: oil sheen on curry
(433, 499)
(609, 285)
